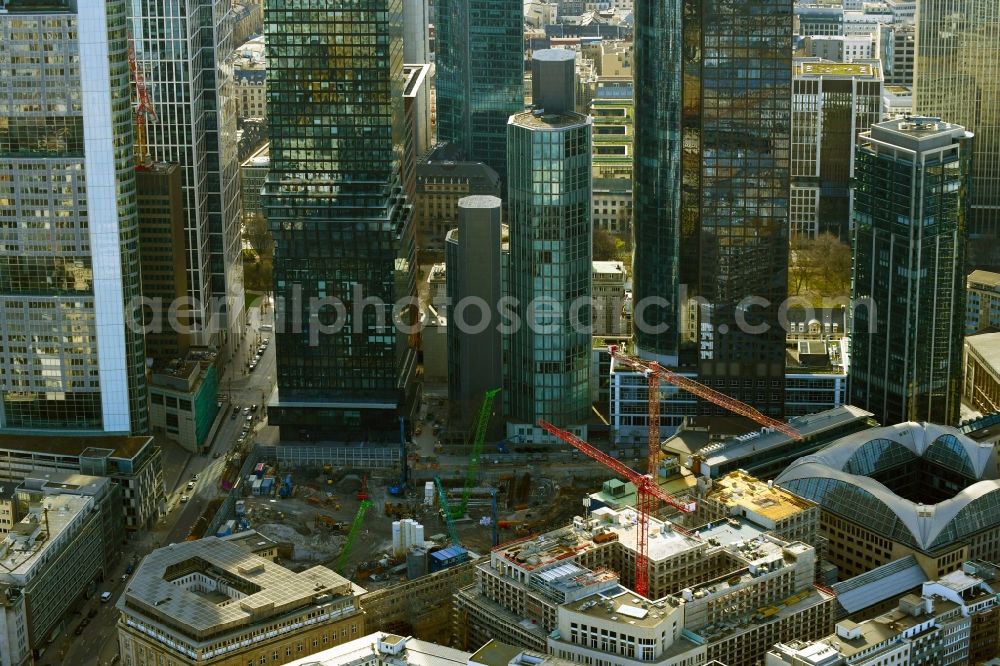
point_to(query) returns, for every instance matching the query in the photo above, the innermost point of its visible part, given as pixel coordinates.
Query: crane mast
(647, 492)
(479, 436)
(143, 112)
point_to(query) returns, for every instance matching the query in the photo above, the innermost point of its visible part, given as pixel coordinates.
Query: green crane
(351, 536)
(479, 436)
(446, 510)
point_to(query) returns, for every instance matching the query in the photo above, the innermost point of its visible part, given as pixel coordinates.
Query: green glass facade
(547, 364)
(341, 223)
(479, 76)
(908, 286)
(711, 189)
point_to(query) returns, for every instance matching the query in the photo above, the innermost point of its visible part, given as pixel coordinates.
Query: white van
(105, 597)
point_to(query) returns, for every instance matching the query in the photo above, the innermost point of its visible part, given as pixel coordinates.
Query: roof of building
(571, 540)
(496, 653)
(759, 440)
(120, 446)
(987, 278)
(810, 67)
(608, 267)
(739, 489)
(987, 346)
(413, 653)
(549, 121)
(882, 583)
(22, 548)
(847, 463)
(620, 186)
(738, 623)
(478, 174)
(260, 158)
(266, 590)
(883, 628)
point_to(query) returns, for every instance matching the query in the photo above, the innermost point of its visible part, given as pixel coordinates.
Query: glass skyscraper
(71, 348)
(341, 222)
(712, 117)
(479, 76)
(956, 77)
(908, 287)
(183, 52)
(547, 364)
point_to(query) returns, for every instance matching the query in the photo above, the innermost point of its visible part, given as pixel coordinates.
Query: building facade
(981, 372)
(50, 558)
(479, 63)
(474, 257)
(441, 184)
(160, 198)
(184, 55)
(253, 173)
(899, 68)
(183, 396)
(175, 608)
(547, 366)
(982, 302)
(951, 620)
(908, 286)
(832, 103)
(955, 78)
(712, 186)
(569, 594)
(250, 79)
(70, 317)
(613, 110)
(341, 222)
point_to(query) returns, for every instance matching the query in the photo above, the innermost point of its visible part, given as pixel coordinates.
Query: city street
(97, 645)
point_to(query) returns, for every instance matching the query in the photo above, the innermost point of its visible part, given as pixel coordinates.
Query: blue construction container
(448, 557)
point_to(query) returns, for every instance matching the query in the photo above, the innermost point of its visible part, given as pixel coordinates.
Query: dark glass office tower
(955, 77)
(341, 222)
(908, 288)
(713, 113)
(480, 76)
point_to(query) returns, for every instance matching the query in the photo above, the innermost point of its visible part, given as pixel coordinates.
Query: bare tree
(259, 237)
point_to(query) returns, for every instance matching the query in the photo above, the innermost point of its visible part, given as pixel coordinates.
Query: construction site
(383, 525)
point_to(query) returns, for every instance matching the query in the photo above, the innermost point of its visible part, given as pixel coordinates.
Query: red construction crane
(647, 492)
(143, 112)
(654, 372)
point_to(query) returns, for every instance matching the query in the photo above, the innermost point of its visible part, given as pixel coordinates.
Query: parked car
(124, 577)
(253, 408)
(105, 597)
(184, 498)
(246, 410)
(249, 418)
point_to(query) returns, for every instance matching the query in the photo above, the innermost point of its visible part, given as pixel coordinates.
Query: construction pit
(312, 525)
